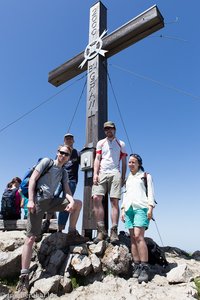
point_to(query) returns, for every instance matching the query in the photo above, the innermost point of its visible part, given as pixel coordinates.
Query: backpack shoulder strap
(118, 142)
(48, 167)
(120, 146)
(144, 178)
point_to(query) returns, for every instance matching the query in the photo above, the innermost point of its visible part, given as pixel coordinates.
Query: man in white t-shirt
(108, 178)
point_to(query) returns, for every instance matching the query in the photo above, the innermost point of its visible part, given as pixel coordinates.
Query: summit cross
(94, 60)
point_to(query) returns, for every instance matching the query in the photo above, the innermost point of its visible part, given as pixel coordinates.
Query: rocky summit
(61, 270)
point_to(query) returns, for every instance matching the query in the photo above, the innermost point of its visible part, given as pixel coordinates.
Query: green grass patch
(78, 280)
(75, 284)
(197, 283)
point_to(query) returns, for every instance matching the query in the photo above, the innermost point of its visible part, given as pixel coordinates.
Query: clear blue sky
(156, 83)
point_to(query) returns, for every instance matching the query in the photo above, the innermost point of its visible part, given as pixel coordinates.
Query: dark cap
(68, 134)
(109, 124)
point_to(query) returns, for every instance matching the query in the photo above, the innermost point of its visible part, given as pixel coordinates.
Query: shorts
(34, 221)
(108, 183)
(136, 218)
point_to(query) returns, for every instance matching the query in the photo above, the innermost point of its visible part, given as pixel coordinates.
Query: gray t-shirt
(47, 184)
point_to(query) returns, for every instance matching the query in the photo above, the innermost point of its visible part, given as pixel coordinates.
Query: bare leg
(141, 244)
(114, 211)
(27, 252)
(134, 250)
(143, 254)
(73, 217)
(98, 208)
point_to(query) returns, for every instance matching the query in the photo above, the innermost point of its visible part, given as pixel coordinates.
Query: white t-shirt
(135, 194)
(111, 152)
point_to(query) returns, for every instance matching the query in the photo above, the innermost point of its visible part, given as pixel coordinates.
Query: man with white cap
(107, 178)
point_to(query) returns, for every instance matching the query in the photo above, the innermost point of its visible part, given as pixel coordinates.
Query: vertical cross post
(96, 109)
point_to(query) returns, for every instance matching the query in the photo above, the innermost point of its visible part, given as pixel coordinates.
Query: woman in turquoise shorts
(137, 210)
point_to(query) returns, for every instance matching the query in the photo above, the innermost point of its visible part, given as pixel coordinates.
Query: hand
(123, 216)
(150, 213)
(70, 207)
(31, 206)
(123, 181)
(95, 179)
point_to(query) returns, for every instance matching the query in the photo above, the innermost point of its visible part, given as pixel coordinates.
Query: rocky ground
(157, 289)
(103, 268)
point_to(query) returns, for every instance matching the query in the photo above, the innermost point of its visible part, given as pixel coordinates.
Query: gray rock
(81, 249)
(66, 284)
(98, 249)
(117, 260)
(55, 262)
(44, 287)
(10, 263)
(66, 267)
(96, 263)
(11, 240)
(179, 274)
(81, 264)
(196, 255)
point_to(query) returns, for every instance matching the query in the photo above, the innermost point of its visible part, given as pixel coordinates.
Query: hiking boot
(22, 289)
(61, 228)
(136, 270)
(101, 234)
(144, 273)
(45, 226)
(113, 234)
(74, 238)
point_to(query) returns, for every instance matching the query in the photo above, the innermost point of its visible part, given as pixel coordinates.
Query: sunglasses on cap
(64, 153)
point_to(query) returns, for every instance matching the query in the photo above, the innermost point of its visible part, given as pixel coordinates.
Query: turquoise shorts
(136, 218)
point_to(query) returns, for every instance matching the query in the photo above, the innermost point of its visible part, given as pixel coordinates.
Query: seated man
(41, 200)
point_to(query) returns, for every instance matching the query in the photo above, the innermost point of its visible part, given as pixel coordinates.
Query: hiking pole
(158, 231)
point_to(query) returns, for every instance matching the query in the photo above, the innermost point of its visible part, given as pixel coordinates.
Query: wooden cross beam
(94, 60)
(133, 31)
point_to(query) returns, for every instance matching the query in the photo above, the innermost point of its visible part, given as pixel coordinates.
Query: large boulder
(10, 263)
(116, 260)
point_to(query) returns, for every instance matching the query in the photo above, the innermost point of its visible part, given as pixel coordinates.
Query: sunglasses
(64, 153)
(108, 128)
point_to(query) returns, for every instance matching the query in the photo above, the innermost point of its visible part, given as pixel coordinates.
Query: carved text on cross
(91, 93)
